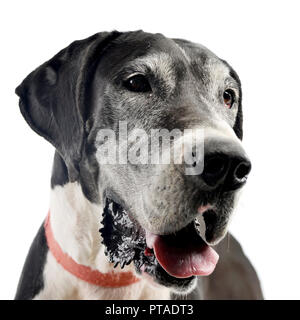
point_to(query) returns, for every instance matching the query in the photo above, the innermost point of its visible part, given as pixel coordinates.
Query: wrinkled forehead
(163, 57)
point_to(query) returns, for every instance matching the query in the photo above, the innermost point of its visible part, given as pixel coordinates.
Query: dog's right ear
(53, 97)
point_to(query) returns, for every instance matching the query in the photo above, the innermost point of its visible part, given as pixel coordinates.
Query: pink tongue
(185, 261)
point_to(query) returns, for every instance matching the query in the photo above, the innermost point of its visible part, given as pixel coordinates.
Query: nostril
(242, 170)
(215, 168)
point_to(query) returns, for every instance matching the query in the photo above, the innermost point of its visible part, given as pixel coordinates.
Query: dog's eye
(229, 98)
(137, 83)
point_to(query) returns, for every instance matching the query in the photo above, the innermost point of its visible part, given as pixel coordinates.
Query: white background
(260, 39)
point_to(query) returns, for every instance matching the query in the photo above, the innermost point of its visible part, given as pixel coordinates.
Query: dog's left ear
(53, 97)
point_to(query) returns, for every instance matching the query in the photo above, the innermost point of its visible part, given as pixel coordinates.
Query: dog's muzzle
(171, 259)
(176, 257)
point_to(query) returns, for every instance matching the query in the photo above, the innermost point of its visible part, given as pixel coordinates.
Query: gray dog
(158, 222)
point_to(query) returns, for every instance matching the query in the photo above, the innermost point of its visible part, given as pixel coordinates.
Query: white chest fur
(75, 223)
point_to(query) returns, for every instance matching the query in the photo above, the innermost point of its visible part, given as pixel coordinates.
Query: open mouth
(171, 259)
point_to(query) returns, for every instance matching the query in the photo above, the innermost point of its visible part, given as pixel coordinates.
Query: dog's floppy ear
(52, 97)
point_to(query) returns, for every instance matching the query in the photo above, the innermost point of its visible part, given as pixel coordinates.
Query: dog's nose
(227, 166)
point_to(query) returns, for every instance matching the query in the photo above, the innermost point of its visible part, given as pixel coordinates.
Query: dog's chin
(157, 275)
(172, 261)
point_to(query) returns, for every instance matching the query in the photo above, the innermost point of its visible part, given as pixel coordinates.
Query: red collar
(109, 279)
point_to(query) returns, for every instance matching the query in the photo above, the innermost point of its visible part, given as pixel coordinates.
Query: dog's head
(112, 96)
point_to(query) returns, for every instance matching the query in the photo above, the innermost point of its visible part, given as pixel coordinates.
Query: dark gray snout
(226, 164)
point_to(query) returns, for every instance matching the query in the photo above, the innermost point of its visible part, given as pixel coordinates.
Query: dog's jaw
(171, 260)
